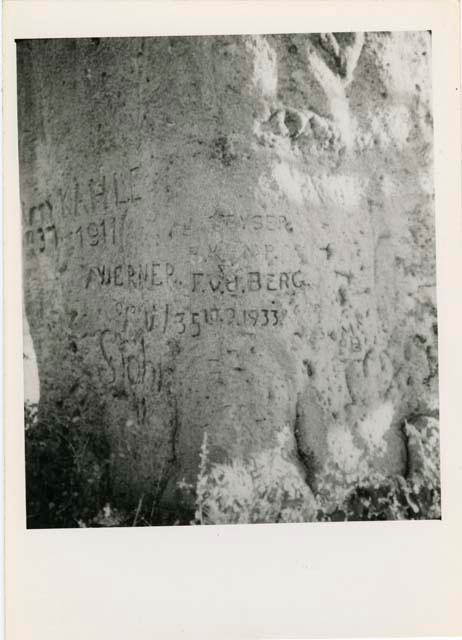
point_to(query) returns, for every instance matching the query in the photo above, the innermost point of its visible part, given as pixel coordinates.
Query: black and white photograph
(229, 279)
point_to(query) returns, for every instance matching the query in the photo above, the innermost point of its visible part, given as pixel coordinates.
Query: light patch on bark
(265, 76)
(343, 450)
(375, 426)
(290, 182)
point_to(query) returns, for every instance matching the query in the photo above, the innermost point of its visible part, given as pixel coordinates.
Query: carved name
(251, 281)
(141, 276)
(87, 197)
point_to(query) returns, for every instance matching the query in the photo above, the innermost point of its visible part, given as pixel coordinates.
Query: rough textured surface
(231, 234)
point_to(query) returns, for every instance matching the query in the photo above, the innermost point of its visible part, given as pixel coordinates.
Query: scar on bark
(305, 454)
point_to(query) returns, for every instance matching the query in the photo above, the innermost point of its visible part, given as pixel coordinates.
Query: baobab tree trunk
(230, 234)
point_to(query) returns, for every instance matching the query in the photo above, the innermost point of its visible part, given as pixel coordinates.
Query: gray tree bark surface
(230, 235)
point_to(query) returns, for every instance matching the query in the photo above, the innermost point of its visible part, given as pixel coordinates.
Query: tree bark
(230, 234)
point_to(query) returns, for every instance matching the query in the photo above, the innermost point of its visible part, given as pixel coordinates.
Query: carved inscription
(221, 219)
(129, 370)
(40, 231)
(156, 274)
(127, 360)
(162, 319)
(92, 196)
(141, 276)
(249, 282)
(101, 233)
(180, 300)
(100, 205)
